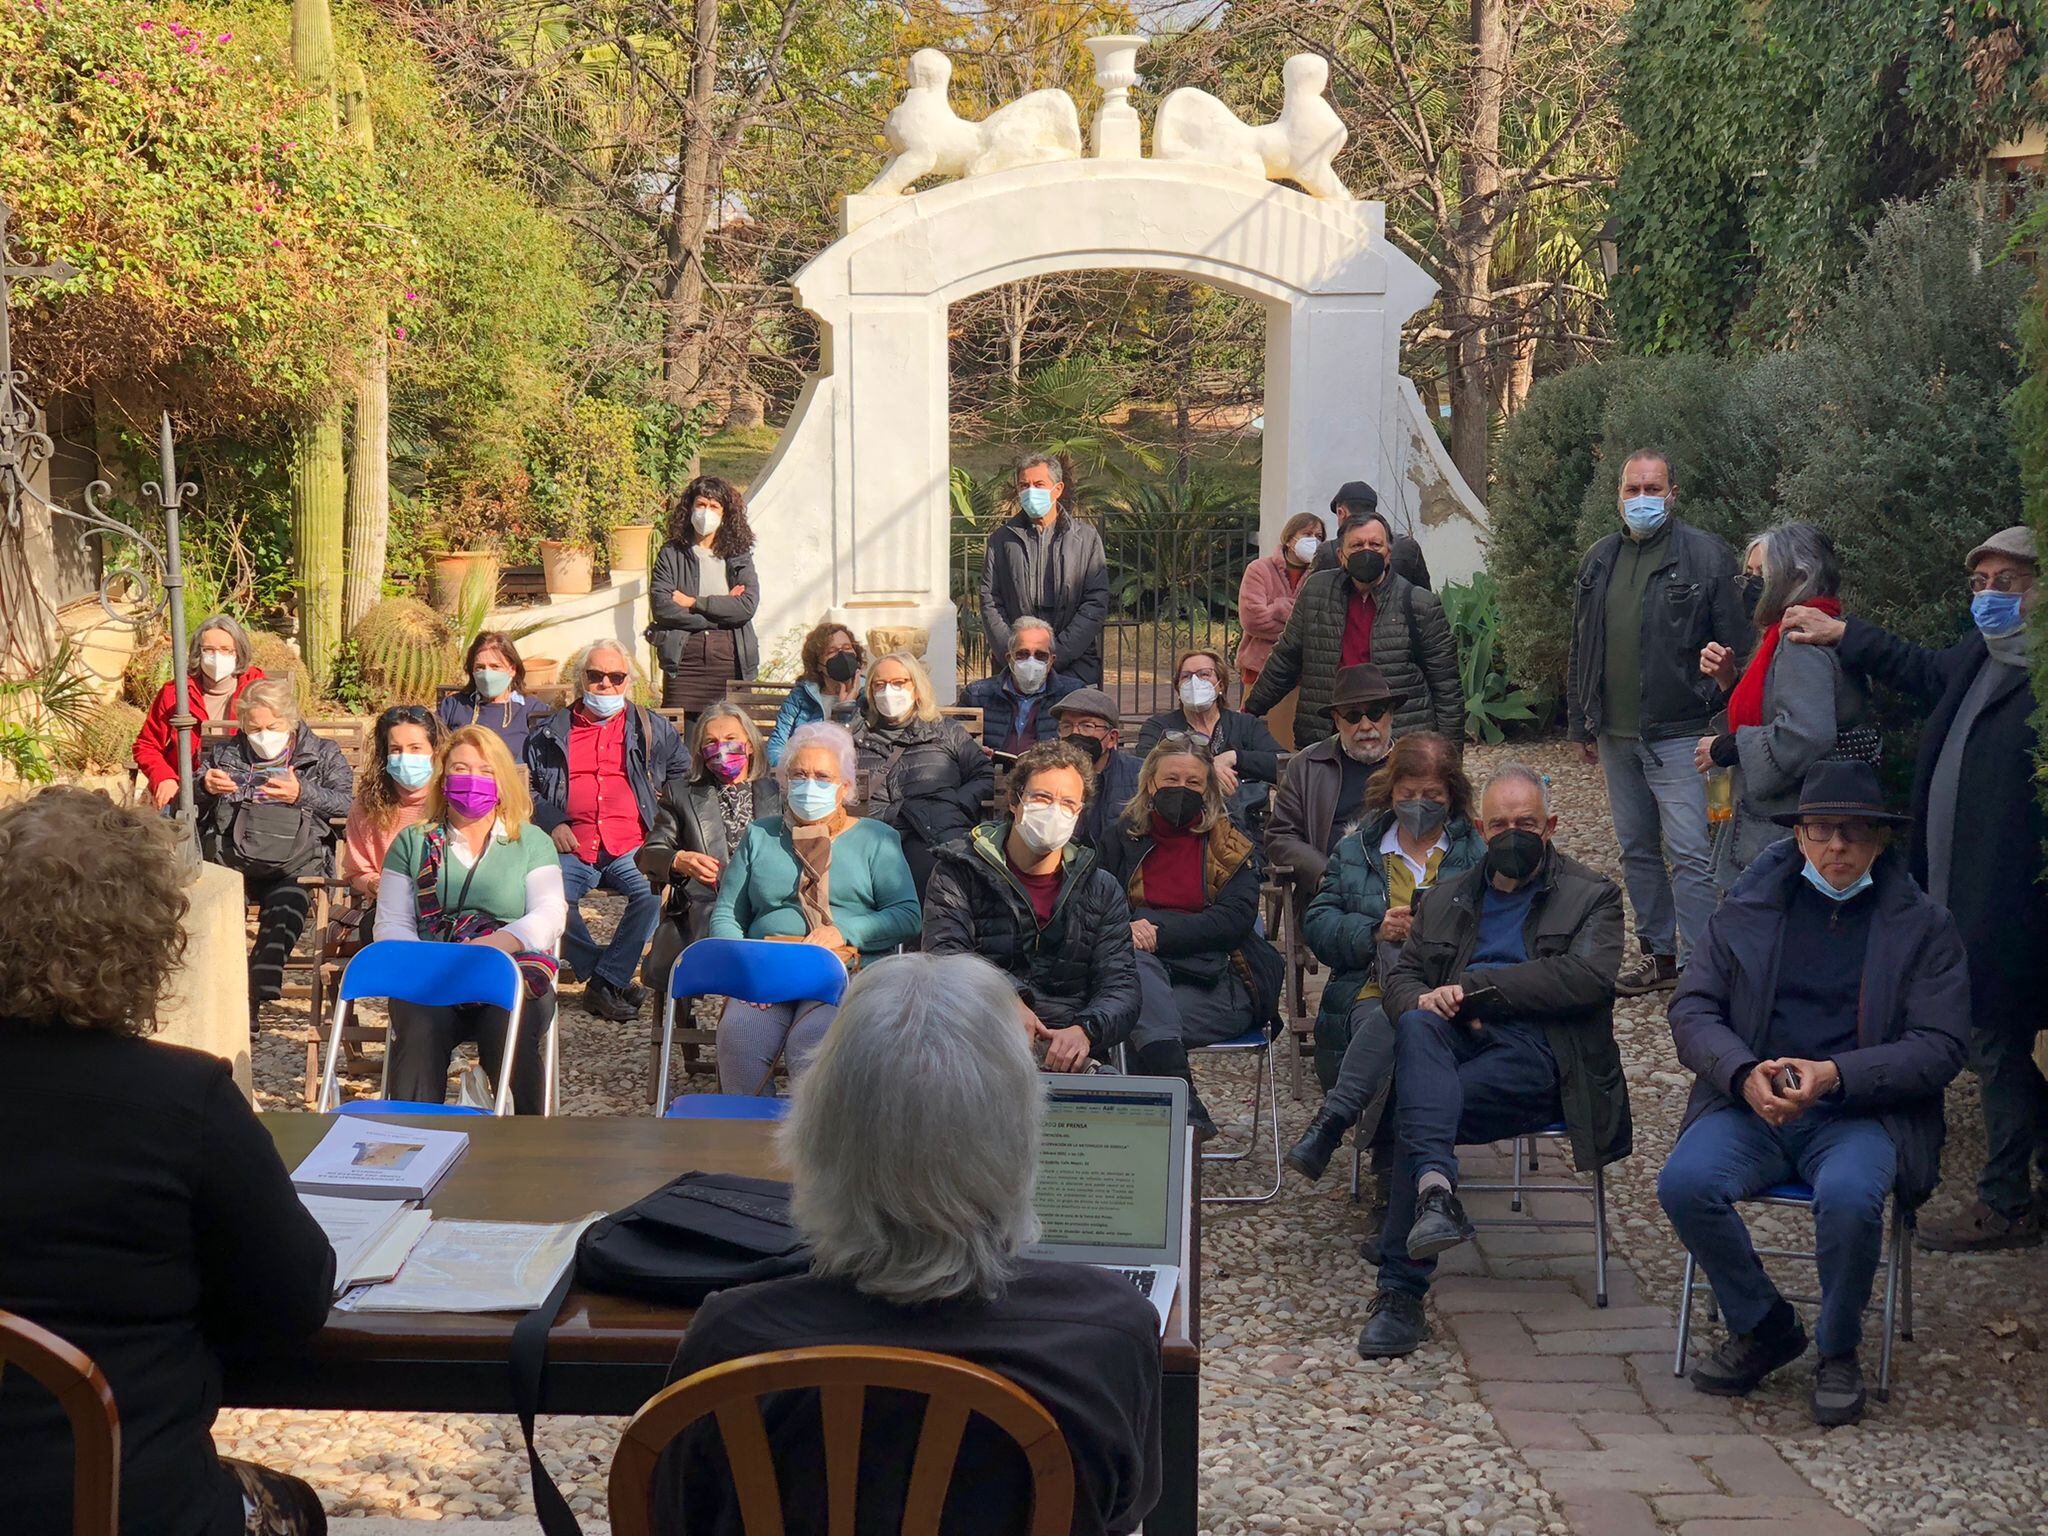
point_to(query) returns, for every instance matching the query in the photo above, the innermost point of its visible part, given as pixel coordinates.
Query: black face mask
(1749, 591)
(1178, 806)
(843, 668)
(1365, 566)
(1089, 747)
(1514, 854)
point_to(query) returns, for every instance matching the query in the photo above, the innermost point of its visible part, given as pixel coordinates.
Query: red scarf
(1746, 703)
(1172, 871)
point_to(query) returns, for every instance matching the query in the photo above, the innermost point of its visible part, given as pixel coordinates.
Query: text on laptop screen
(1103, 1166)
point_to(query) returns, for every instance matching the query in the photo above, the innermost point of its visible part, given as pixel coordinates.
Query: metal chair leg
(1515, 1201)
(668, 1035)
(1893, 1264)
(1906, 1277)
(551, 1067)
(1357, 1159)
(1599, 1236)
(330, 1082)
(1684, 1315)
(1266, 1082)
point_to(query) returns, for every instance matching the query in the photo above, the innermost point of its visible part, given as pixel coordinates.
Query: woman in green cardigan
(813, 875)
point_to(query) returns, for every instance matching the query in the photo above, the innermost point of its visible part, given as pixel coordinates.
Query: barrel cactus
(148, 669)
(103, 740)
(275, 656)
(406, 651)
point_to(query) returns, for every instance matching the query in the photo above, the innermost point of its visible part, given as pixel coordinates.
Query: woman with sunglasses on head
(834, 666)
(1191, 878)
(699, 820)
(703, 593)
(493, 697)
(1244, 755)
(391, 792)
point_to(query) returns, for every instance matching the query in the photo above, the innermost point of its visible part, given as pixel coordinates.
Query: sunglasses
(1031, 655)
(616, 679)
(1374, 712)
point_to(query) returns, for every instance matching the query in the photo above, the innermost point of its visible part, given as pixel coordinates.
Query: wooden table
(606, 1354)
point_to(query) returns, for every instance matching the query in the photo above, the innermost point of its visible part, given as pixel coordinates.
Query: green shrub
(104, 739)
(1473, 610)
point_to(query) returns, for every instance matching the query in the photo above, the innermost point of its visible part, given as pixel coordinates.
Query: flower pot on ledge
(455, 570)
(632, 544)
(565, 567)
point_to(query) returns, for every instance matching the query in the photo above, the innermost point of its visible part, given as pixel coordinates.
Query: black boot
(1311, 1155)
(1169, 1058)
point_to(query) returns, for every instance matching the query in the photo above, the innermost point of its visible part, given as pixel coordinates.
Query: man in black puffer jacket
(1364, 613)
(1023, 896)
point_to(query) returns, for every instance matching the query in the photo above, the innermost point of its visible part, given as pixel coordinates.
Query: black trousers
(281, 908)
(423, 1039)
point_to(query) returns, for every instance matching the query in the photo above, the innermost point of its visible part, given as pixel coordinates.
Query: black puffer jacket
(1078, 969)
(1059, 576)
(1411, 645)
(927, 779)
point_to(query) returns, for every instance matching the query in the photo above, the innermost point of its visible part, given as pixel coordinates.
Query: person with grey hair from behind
(1789, 706)
(912, 1145)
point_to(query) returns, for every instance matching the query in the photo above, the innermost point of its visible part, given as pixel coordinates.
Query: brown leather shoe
(1978, 1229)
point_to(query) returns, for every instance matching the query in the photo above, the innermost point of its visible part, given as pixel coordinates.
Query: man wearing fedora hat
(1323, 790)
(1978, 853)
(1823, 1014)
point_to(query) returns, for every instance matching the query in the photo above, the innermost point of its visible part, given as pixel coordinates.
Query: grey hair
(830, 736)
(1043, 459)
(1799, 563)
(912, 1140)
(725, 709)
(572, 670)
(232, 628)
(275, 694)
(1512, 772)
(1032, 621)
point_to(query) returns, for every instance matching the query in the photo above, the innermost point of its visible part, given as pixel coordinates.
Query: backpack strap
(529, 1362)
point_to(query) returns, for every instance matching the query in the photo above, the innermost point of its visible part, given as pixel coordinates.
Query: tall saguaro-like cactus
(368, 521)
(319, 487)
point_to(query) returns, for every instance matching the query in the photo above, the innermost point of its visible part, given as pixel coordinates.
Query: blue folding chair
(727, 1106)
(1264, 1087)
(1517, 1187)
(372, 1109)
(433, 976)
(1898, 1278)
(752, 970)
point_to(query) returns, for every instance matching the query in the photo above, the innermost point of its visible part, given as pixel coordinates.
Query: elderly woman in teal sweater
(813, 875)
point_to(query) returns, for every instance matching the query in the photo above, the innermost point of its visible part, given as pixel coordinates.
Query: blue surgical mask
(812, 799)
(604, 705)
(409, 770)
(1036, 501)
(1644, 515)
(1997, 614)
(1819, 882)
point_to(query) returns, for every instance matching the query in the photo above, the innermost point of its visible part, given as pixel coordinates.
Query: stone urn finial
(1115, 134)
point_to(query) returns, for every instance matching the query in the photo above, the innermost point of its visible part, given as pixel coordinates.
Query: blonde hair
(515, 800)
(275, 694)
(1137, 816)
(926, 705)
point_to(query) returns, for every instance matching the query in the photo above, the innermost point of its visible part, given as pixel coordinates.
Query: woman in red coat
(217, 671)
(1265, 598)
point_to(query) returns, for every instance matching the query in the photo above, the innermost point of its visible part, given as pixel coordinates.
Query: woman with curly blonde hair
(149, 1221)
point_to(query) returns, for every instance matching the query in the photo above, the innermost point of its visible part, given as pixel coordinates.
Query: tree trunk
(683, 340)
(317, 512)
(1470, 264)
(369, 488)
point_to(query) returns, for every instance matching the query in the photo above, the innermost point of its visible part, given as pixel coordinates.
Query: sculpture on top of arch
(927, 138)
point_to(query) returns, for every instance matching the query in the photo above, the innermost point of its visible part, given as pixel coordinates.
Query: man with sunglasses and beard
(597, 768)
(1503, 1001)
(1322, 793)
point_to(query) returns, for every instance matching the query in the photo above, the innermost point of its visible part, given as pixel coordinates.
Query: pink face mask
(726, 759)
(471, 794)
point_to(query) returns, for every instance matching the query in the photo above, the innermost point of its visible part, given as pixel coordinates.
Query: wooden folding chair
(842, 1376)
(969, 718)
(88, 1402)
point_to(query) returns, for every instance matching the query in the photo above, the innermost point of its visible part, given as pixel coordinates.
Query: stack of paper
(371, 1238)
(479, 1266)
(370, 1160)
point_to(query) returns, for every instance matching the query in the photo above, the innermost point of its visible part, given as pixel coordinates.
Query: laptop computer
(1112, 1178)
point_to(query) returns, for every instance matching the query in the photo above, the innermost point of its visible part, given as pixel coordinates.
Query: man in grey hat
(1979, 854)
(1323, 790)
(1088, 718)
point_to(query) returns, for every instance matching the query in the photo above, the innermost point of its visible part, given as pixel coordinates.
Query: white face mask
(1197, 693)
(893, 702)
(1029, 673)
(706, 520)
(268, 744)
(217, 664)
(1046, 828)
(1306, 546)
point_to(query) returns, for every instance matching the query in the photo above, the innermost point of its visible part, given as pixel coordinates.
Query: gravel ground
(1297, 1433)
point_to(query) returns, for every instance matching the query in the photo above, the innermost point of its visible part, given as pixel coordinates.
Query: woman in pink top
(392, 793)
(1266, 596)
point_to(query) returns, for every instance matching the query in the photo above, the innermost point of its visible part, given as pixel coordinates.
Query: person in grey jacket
(702, 594)
(1792, 706)
(1650, 596)
(1046, 561)
(1364, 613)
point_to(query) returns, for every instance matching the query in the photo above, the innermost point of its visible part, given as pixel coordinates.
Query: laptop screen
(1105, 1163)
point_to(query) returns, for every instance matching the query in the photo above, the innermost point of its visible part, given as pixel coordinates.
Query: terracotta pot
(541, 672)
(566, 567)
(455, 569)
(631, 546)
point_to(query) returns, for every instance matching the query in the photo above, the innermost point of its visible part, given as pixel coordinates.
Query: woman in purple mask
(474, 870)
(698, 822)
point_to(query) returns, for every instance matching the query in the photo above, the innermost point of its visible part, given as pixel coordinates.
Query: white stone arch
(852, 508)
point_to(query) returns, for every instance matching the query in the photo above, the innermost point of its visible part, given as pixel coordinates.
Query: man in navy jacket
(1824, 1013)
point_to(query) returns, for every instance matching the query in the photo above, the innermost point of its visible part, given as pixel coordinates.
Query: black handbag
(697, 1234)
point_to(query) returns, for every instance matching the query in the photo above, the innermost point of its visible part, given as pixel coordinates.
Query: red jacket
(155, 753)
(1265, 599)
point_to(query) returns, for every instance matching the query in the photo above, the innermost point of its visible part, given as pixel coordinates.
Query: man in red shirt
(597, 768)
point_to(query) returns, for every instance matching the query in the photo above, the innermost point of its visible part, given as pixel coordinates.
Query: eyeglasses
(594, 677)
(1206, 674)
(1184, 741)
(1375, 712)
(1852, 834)
(1040, 799)
(2004, 581)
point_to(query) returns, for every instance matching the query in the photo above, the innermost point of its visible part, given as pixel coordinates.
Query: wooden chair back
(351, 733)
(842, 1375)
(88, 1402)
(968, 718)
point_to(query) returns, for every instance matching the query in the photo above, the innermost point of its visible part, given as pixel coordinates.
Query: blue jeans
(618, 960)
(1659, 804)
(1456, 1086)
(1730, 1153)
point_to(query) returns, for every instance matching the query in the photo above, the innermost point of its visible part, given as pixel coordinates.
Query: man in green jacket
(1504, 1002)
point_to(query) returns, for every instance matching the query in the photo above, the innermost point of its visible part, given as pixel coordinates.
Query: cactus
(406, 652)
(148, 669)
(274, 657)
(105, 739)
(368, 520)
